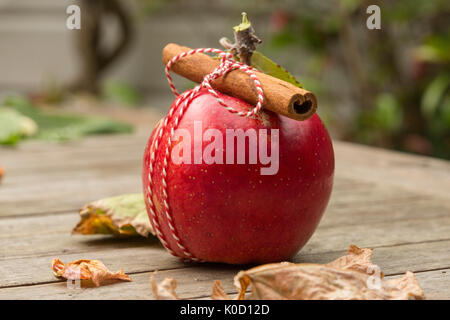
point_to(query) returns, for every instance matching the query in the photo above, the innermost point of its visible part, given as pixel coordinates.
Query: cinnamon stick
(279, 96)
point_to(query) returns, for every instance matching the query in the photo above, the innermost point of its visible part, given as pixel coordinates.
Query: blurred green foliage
(395, 81)
(121, 93)
(16, 112)
(14, 126)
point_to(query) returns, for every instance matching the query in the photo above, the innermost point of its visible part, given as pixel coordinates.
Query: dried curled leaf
(121, 215)
(217, 292)
(2, 171)
(164, 290)
(356, 259)
(84, 269)
(353, 276)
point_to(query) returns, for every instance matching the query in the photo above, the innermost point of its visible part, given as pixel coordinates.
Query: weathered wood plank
(395, 260)
(424, 174)
(192, 283)
(51, 234)
(385, 233)
(62, 223)
(392, 211)
(63, 192)
(395, 202)
(134, 259)
(62, 196)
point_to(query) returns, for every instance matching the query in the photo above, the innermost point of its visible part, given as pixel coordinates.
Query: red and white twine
(182, 102)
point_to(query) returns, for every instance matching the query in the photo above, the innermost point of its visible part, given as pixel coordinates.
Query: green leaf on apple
(271, 68)
(121, 215)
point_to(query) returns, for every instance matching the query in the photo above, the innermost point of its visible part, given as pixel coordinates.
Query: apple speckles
(237, 201)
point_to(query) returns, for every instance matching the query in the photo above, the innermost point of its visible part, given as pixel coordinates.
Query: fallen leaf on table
(356, 259)
(165, 290)
(121, 215)
(217, 292)
(350, 277)
(14, 126)
(84, 269)
(2, 171)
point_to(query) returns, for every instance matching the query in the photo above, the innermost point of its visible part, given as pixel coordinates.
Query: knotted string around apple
(238, 175)
(227, 64)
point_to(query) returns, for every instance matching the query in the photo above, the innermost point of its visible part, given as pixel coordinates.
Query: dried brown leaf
(217, 291)
(120, 215)
(353, 276)
(356, 259)
(408, 284)
(90, 270)
(2, 171)
(165, 290)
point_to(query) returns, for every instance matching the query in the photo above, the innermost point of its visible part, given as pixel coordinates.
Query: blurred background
(388, 88)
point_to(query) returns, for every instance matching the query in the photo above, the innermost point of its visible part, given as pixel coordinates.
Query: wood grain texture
(396, 203)
(194, 282)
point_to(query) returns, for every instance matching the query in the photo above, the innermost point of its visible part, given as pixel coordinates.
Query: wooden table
(397, 204)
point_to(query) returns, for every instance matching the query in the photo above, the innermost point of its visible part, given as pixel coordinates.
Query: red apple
(232, 213)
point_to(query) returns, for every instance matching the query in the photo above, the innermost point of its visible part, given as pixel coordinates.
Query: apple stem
(245, 41)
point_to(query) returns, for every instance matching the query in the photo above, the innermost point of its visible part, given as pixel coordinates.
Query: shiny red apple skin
(231, 213)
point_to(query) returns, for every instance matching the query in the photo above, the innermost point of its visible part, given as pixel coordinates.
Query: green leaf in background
(387, 113)
(14, 126)
(434, 94)
(122, 93)
(435, 49)
(386, 116)
(62, 126)
(121, 215)
(267, 66)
